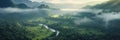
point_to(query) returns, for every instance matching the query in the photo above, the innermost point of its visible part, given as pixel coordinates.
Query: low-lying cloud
(106, 17)
(82, 21)
(109, 16)
(16, 10)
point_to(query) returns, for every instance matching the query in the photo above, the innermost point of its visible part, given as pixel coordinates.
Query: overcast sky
(70, 1)
(63, 3)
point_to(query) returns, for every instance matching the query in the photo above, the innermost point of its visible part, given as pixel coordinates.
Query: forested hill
(22, 5)
(6, 3)
(17, 22)
(9, 3)
(112, 5)
(43, 6)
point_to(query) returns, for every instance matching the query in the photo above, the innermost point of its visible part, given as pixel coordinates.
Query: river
(51, 29)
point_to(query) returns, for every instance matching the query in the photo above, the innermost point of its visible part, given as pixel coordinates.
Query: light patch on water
(53, 30)
(46, 26)
(57, 33)
(40, 24)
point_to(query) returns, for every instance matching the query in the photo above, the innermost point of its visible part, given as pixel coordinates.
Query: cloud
(71, 3)
(16, 10)
(109, 16)
(68, 1)
(82, 21)
(31, 10)
(106, 17)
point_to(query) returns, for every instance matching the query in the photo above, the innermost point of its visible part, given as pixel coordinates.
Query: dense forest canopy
(18, 21)
(6, 3)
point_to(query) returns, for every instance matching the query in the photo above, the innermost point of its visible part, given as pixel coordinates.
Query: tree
(6, 3)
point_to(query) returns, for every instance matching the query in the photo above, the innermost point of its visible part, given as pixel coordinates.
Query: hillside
(6, 3)
(112, 5)
(47, 23)
(22, 5)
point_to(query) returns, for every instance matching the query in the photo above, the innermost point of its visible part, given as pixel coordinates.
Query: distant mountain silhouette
(22, 5)
(112, 5)
(43, 6)
(6, 3)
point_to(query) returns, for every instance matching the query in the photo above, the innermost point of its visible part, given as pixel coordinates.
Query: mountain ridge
(112, 5)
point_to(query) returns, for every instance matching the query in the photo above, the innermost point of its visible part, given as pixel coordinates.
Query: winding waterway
(51, 29)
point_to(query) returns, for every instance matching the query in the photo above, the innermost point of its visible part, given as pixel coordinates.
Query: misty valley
(19, 21)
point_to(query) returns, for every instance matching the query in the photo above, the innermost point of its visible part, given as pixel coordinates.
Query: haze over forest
(59, 19)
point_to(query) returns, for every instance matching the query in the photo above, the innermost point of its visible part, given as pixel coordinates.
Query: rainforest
(59, 20)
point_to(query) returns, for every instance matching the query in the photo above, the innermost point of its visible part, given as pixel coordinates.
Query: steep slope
(112, 5)
(6, 3)
(43, 6)
(22, 5)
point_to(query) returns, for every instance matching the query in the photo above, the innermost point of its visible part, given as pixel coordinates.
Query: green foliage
(37, 32)
(20, 26)
(12, 31)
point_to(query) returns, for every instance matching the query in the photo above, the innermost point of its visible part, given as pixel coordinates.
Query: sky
(76, 2)
(64, 4)
(71, 3)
